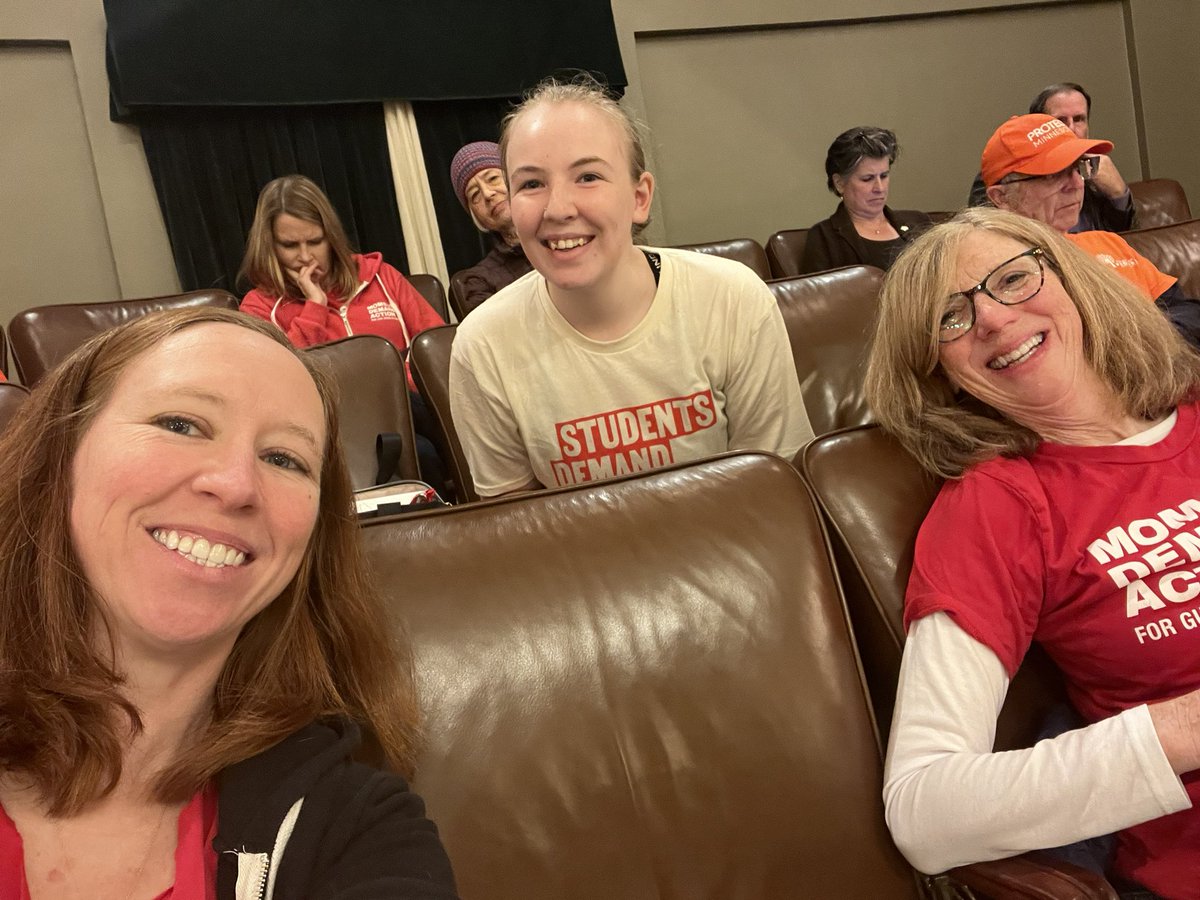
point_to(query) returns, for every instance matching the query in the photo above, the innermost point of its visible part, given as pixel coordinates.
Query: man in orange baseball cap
(1107, 201)
(1036, 166)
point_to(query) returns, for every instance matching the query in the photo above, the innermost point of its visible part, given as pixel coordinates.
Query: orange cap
(1035, 144)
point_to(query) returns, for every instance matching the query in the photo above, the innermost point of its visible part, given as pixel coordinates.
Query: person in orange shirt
(1036, 166)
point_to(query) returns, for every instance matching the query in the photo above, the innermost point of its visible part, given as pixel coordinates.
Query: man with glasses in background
(1107, 202)
(1037, 167)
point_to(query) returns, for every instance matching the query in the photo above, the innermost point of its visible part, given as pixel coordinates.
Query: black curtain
(277, 52)
(209, 164)
(444, 126)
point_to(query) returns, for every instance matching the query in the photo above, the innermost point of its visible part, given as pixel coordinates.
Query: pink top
(195, 859)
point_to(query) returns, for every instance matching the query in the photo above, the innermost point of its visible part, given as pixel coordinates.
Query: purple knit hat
(468, 161)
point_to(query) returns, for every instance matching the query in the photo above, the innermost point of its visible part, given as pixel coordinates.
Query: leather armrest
(1032, 877)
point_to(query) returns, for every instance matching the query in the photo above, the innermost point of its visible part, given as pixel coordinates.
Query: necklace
(137, 873)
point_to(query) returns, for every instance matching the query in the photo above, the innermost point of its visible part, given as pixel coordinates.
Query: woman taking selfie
(188, 639)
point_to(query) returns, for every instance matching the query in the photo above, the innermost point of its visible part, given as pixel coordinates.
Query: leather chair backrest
(373, 399)
(829, 318)
(744, 250)
(430, 287)
(1159, 201)
(12, 398)
(875, 496)
(429, 358)
(44, 336)
(785, 250)
(944, 215)
(3, 353)
(1175, 249)
(642, 689)
(458, 294)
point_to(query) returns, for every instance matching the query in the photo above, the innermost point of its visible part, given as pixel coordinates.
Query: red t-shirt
(1114, 251)
(1095, 553)
(195, 859)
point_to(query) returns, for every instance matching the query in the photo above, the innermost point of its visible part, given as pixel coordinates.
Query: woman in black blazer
(862, 230)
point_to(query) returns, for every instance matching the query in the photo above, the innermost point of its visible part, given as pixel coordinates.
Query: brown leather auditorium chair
(874, 496)
(644, 688)
(829, 317)
(374, 400)
(785, 249)
(458, 295)
(744, 250)
(647, 689)
(44, 336)
(429, 358)
(1175, 249)
(430, 287)
(12, 398)
(1159, 201)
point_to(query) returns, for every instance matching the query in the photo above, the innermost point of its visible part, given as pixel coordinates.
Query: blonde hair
(1127, 341)
(296, 196)
(583, 88)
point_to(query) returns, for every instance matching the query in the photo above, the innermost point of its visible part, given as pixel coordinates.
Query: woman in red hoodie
(310, 284)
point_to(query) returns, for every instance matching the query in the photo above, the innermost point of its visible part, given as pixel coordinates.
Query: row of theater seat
(829, 318)
(1158, 201)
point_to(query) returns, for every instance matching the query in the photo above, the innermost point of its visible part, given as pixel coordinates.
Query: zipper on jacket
(253, 869)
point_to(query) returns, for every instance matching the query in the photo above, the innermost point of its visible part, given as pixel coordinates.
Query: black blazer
(833, 243)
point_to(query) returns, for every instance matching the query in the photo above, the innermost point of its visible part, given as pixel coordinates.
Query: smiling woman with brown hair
(188, 636)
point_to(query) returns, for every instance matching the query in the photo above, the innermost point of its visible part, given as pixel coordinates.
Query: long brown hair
(1127, 341)
(296, 196)
(324, 647)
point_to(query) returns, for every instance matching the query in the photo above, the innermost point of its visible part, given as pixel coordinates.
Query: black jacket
(360, 833)
(834, 242)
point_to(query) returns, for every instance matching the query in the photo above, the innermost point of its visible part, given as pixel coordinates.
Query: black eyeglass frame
(1036, 252)
(1086, 166)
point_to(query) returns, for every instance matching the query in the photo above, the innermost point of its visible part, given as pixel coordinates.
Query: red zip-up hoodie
(384, 304)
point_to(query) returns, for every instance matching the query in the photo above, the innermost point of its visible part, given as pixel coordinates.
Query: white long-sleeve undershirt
(951, 801)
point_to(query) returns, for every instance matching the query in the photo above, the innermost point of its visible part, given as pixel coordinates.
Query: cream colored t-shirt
(708, 369)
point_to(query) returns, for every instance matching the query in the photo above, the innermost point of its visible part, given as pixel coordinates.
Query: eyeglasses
(1013, 281)
(1086, 166)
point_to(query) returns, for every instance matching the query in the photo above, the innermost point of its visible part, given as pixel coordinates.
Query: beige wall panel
(54, 237)
(741, 120)
(638, 15)
(140, 249)
(1165, 33)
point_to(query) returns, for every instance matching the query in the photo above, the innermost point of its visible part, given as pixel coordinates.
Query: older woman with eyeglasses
(1063, 411)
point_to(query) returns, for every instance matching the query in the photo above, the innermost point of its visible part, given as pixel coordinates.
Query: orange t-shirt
(1113, 250)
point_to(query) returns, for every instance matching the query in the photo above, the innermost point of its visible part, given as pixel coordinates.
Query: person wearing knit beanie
(480, 187)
